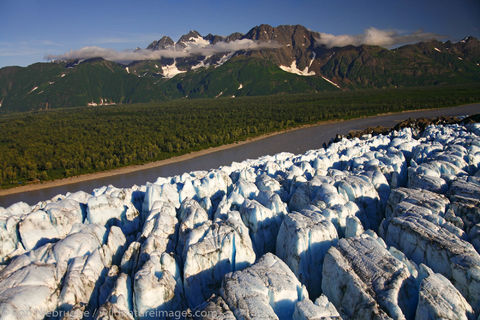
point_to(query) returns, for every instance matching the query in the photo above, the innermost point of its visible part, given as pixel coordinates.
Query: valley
(93, 139)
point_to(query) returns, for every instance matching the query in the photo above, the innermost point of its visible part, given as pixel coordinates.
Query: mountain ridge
(282, 59)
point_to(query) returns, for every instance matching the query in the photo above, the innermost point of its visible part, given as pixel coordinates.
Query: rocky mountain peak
(192, 36)
(296, 45)
(234, 36)
(261, 32)
(214, 38)
(468, 39)
(164, 43)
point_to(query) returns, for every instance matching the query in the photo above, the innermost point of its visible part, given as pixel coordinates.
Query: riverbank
(348, 124)
(150, 165)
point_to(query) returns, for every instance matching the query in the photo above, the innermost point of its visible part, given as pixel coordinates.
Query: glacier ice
(321, 309)
(438, 299)
(266, 290)
(302, 242)
(214, 249)
(53, 222)
(364, 280)
(158, 285)
(385, 226)
(215, 308)
(428, 243)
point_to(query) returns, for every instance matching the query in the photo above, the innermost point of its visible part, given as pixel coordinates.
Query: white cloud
(145, 54)
(377, 37)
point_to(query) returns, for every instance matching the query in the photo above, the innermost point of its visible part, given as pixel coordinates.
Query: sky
(31, 30)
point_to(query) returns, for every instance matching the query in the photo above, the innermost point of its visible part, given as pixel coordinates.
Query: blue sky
(32, 29)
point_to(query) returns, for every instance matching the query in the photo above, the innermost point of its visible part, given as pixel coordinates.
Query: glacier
(384, 226)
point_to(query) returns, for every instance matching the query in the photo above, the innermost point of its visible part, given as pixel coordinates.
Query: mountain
(265, 60)
(164, 43)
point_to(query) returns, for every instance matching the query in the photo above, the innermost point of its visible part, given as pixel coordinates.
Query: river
(297, 141)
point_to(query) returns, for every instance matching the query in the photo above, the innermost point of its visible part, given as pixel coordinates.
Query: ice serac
(361, 191)
(215, 308)
(302, 242)
(245, 188)
(353, 227)
(160, 192)
(422, 204)
(364, 281)
(81, 240)
(439, 299)
(425, 181)
(435, 202)
(80, 281)
(114, 247)
(77, 262)
(266, 290)
(108, 209)
(465, 198)
(263, 224)
(214, 249)
(130, 257)
(10, 244)
(54, 222)
(213, 185)
(159, 230)
(157, 282)
(425, 242)
(321, 309)
(158, 286)
(119, 304)
(191, 216)
(29, 292)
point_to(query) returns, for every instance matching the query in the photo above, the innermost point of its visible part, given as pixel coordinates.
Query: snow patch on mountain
(201, 64)
(293, 69)
(314, 55)
(171, 71)
(199, 41)
(33, 89)
(224, 59)
(331, 82)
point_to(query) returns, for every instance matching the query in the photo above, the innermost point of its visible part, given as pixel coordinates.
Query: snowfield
(380, 227)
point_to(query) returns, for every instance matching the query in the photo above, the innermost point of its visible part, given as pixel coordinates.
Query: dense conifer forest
(46, 145)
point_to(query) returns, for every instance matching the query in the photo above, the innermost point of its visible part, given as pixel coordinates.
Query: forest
(45, 145)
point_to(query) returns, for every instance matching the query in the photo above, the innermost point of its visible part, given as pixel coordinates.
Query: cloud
(145, 54)
(376, 37)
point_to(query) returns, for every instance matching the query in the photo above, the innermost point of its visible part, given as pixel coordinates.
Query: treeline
(55, 144)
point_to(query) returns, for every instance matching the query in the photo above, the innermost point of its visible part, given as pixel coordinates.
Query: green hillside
(96, 81)
(244, 76)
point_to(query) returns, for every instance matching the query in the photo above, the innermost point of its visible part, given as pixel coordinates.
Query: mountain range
(266, 60)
